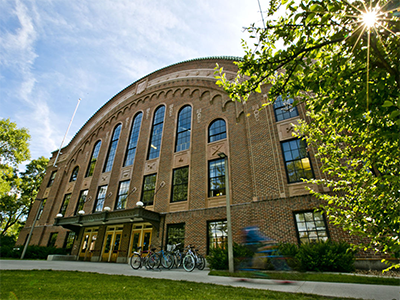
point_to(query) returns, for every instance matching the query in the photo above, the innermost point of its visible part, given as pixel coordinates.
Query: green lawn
(298, 276)
(23, 285)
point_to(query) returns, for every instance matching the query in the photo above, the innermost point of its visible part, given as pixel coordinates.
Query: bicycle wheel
(188, 263)
(201, 262)
(153, 261)
(136, 261)
(167, 260)
(178, 259)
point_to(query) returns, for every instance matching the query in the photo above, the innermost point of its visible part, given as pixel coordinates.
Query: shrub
(218, 257)
(321, 256)
(8, 249)
(7, 240)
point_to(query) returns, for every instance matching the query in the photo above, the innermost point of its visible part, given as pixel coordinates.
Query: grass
(47, 284)
(314, 277)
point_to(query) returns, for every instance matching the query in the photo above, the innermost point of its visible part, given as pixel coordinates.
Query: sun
(369, 18)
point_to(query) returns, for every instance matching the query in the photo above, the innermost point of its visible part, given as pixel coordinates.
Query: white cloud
(54, 52)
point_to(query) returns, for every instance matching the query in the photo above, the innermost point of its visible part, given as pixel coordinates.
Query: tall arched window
(92, 163)
(156, 133)
(131, 150)
(74, 174)
(113, 148)
(217, 131)
(183, 129)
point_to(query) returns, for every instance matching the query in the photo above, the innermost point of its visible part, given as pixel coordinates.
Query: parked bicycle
(192, 260)
(177, 254)
(149, 259)
(166, 258)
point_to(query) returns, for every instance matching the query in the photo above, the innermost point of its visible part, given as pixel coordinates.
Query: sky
(53, 53)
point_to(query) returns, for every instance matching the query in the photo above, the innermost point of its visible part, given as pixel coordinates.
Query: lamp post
(33, 226)
(228, 213)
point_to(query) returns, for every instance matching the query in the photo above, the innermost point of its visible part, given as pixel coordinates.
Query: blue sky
(54, 52)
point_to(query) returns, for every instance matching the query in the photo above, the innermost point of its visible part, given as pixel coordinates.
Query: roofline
(232, 58)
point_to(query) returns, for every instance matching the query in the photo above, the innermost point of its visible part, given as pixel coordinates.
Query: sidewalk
(343, 290)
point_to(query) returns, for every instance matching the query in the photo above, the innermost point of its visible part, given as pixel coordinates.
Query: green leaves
(325, 59)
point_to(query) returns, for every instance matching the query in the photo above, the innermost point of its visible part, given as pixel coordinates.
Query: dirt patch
(379, 273)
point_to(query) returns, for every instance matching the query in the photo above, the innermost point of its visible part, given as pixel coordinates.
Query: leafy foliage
(13, 151)
(218, 257)
(32, 252)
(321, 257)
(17, 203)
(348, 77)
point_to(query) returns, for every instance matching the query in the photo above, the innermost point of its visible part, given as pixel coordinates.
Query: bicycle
(150, 260)
(177, 254)
(166, 258)
(193, 260)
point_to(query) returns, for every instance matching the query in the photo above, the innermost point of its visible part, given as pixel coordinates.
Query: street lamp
(33, 226)
(228, 213)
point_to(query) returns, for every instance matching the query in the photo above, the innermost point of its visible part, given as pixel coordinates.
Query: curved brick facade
(259, 188)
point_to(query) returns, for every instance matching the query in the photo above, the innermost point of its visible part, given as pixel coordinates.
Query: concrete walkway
(341, 290)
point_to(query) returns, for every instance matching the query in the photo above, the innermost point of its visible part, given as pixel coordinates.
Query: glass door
(112, 244)
(141, 236)
(88, 244)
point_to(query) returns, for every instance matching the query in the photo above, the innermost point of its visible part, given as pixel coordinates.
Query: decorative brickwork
(260, 193)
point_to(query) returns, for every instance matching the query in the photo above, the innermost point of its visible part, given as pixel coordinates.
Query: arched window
(156, 133)
(113, 148)
(92, 163)
(74, 174)
(133, 139)
(183, 129)
(284, 109)
(217, 131)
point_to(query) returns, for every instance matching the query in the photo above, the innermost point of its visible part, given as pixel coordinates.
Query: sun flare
(369, 18)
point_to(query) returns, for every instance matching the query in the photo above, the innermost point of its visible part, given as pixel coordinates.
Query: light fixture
(222, 155)
(139, 204)
(81, 212)
(106, 208)
(59, 216)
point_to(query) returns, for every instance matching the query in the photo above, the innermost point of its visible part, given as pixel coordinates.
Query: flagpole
(70, 122)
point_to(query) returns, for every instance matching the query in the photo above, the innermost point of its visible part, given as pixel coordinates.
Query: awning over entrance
(137, 214)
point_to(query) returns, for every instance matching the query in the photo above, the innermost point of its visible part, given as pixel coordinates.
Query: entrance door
(141, 236)
(88, 243)
(112, 244)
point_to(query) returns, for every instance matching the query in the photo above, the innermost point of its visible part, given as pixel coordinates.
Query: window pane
(133, 139)
(156, 135)
(93, 159)
(297, 162)
(101, 196)
(52, 178)
(81, 201)
(74, 174)
(65, 204)
(284, 109)
(184, 128)
(216, 178)
(176, 234)
(180, 184)
(217, 234)
(311, 227)
(149, 186)
(217, 131)
(113, 149)
(122, 194)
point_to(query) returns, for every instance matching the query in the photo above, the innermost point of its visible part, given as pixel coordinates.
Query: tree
(32, 179)
(13, 151)
(16, 204)
(344, 65)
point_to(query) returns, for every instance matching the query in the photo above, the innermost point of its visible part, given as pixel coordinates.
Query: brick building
(158, 143)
